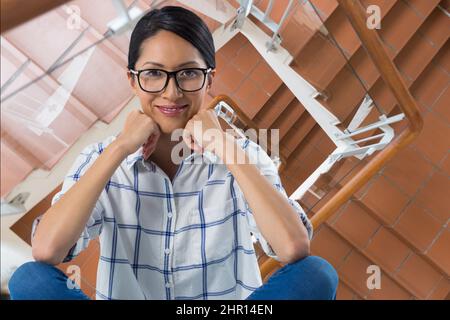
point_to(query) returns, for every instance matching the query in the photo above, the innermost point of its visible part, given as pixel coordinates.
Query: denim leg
(40, 281)
(311, 278)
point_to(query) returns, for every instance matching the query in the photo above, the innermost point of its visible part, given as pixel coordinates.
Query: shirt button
(170, 215)
(167, 251)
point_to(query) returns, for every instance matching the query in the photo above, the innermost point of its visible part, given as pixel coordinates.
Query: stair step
(382, 95)
(379, 257)
(303, 24)
(350, 263)
(406, 61)
(288, 117)
(395, 33)
(324, 77)
(367, 256)
(344, 110)
(371, 215)
(345, 292)
(379, 92)
(274, 107)
(321, 66)
(296, 134)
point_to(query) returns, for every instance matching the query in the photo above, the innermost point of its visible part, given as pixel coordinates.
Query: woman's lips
(172, 111)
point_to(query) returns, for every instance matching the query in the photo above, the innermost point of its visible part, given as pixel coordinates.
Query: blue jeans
(311, 278)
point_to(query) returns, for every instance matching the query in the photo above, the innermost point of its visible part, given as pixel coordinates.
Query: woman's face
(168, 51)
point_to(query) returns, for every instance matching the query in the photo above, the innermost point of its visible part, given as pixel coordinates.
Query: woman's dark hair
(178, 20)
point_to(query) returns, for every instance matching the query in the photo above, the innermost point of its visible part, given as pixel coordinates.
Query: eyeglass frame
(170, 74)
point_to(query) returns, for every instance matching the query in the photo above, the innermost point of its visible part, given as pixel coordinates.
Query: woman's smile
(172, 110)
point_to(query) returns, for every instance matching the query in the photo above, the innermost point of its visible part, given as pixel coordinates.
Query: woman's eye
(188, 73)
(152, 73)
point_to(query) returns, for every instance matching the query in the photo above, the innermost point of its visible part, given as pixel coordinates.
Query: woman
(168, 230)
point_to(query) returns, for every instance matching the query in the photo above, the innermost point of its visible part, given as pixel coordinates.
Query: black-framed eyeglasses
(156, 80)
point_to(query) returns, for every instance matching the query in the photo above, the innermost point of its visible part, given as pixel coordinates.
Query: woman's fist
(139, 130)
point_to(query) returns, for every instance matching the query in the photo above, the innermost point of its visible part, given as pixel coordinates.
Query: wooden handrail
(374, 46)
(15, 12)
(370, 39)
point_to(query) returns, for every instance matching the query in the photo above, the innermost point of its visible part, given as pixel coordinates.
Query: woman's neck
(163, 149)
(162, 155)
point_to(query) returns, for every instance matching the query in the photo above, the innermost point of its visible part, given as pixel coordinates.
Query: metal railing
(391, 76)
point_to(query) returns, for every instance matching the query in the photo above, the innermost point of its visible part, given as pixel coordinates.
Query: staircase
(399, 221)
(393, 222)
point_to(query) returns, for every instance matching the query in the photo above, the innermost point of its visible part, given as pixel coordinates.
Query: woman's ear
(211, 75)
(132, 80)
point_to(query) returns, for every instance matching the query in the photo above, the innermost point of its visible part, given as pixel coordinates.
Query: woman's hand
(203, 132)
(139, 130)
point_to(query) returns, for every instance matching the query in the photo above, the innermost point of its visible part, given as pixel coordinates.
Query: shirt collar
(131, 159)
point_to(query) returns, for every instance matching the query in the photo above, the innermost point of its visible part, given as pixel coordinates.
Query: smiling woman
(165, 44)
(174, 230)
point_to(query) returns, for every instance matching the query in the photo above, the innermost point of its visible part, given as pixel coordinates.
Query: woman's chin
(170, 128)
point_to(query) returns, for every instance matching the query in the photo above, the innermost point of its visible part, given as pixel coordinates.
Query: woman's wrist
(119, 147)
(226, 148)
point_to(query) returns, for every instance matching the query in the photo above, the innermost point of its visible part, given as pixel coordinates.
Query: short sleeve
(269, 170)
(94, 225)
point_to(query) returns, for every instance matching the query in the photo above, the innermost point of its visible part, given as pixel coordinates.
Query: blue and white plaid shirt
(189, 238)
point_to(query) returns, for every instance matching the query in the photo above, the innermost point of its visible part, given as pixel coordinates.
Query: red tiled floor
(395, 32)
(433, 28)
(422, 8)
(329, 245)
(343, 32)
(230, 78)
(231, 48)
(252, 97)
(418, 226)
(265, 77)
(247, 58)
(442, 59)
(274, 107)
(356, 224)
(441, 291)
(364, 67)
(354, 271)
(434, 128)
(344, 292)
(428, 94)
(390, 290)
(385, 200)
(441, 106)
(277, 10)
(445, 166)
(419, 275)
(295, 36)
(387, 250)
(434, 196)
(411, 65)
(439, 251)
(399, 168)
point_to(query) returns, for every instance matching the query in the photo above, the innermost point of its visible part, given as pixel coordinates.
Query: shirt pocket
(216, 230)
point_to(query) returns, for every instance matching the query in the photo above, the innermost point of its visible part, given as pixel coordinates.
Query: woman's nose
(172, 90)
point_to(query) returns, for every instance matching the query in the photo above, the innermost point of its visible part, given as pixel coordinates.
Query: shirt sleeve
(94, 225)
(269, 170)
